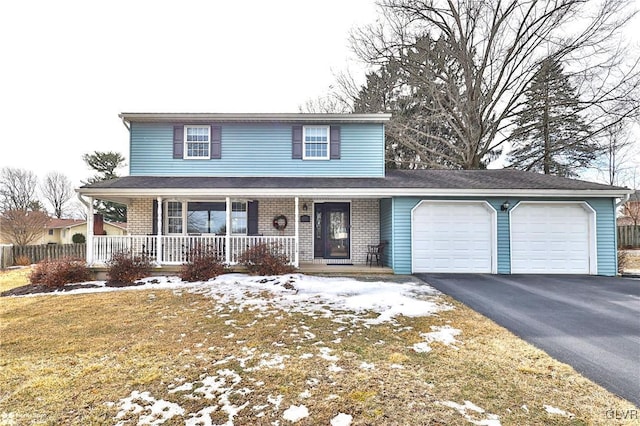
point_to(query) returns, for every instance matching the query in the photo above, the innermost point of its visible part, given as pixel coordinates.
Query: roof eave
(129, 193)
(145, 117)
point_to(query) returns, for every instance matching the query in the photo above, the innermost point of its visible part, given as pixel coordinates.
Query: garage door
(452, 237)
(551, 238)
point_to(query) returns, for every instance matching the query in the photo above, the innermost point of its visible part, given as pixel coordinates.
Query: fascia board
(257, 117)
(345, 192)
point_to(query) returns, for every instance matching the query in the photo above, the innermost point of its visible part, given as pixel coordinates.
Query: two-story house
(316, 185)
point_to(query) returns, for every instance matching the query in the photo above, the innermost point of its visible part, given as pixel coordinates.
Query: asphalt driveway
(591, 323)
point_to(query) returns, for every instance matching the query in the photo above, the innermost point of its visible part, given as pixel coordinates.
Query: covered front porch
(316, 235)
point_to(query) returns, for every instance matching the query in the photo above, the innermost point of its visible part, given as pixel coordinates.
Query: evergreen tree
(550, 135)
(106, 164)
(416, 137)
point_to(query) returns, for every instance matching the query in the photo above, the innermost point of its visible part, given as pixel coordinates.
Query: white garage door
(550, 238)
(452, 237)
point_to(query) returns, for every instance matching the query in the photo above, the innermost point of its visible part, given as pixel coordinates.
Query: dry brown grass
(632, 259)
(12, 278)
(63, 358)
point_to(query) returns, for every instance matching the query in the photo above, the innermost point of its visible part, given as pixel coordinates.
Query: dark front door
(332, 231)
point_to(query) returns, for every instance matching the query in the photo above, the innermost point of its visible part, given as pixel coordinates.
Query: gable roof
(397, 182)
(55, 223)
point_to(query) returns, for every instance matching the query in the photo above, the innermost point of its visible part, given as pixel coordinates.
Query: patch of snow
(445, 335)
(324, 354)
(334, 368)
(159, 410)
(313, 382)
(421, 347)
(397, 366)
(275, 400)
(490, 420)
(295, 413)
(367, 366)
(553, 410)
(306, 356)
(305, 394)
(342, 419)
(315, 296)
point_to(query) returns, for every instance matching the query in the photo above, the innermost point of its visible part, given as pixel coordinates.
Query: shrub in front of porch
(202, 266)
(265, 259)
(58, 272)
(125, 268)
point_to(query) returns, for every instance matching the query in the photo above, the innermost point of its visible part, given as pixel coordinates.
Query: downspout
(124, 122)
(89, 206)
(623, 200)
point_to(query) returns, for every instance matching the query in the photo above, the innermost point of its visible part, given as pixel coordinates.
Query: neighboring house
(61, 231)
(316, 185)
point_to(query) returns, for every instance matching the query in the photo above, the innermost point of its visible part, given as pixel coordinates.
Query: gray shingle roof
(504, 179)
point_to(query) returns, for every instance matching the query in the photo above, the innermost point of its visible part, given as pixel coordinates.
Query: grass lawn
(193, 355)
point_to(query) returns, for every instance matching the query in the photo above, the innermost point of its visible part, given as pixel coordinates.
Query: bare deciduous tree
(17, 189)
(617, 163)
(56, 189)
(22, 227)
(474, 60)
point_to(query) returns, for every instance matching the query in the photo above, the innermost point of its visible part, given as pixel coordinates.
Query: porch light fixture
(505, 206)
(304, 207)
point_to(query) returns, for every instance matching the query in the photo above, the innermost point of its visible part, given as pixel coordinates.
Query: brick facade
(140, 216)
(365, 223)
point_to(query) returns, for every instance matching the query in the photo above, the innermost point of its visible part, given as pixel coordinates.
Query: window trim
(185, 154)
(185, 215)
(304, 143)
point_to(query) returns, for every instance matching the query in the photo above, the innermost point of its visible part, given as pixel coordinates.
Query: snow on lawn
(553, 410)
(301, 293)
(226, 389)
(463, 409)
(445, 335)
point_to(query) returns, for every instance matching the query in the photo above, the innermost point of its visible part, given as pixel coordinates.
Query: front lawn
(251, 350)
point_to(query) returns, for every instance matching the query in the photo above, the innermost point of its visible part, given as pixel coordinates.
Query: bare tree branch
(56, 189)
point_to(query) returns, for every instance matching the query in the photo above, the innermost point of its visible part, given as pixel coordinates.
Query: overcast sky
(69, 67)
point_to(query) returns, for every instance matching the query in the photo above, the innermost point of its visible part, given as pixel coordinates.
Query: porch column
(90, 232)
(227, 238)
(159, 231)
(296, 244)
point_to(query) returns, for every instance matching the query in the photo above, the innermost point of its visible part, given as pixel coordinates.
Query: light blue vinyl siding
(260, 149)
(605, 229)
(386, 229)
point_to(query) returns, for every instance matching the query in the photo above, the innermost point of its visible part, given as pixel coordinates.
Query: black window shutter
(216, 142)
(335, 142)
(296, 142)
(178, 141)
(155, 217)
(252, 218)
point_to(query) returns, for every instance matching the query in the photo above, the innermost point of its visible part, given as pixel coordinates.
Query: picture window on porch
(206, 217)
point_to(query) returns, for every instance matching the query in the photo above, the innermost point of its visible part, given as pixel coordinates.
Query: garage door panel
(452, 237)
(550, 238)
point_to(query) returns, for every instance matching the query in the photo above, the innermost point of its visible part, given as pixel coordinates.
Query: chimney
(98, 224)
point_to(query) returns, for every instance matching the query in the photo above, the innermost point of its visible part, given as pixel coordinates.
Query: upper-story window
(315, 140)
(197, 142)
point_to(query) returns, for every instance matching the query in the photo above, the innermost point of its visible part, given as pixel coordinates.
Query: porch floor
(305, 268)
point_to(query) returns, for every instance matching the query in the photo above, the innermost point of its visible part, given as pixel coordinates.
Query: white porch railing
(176, 249)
